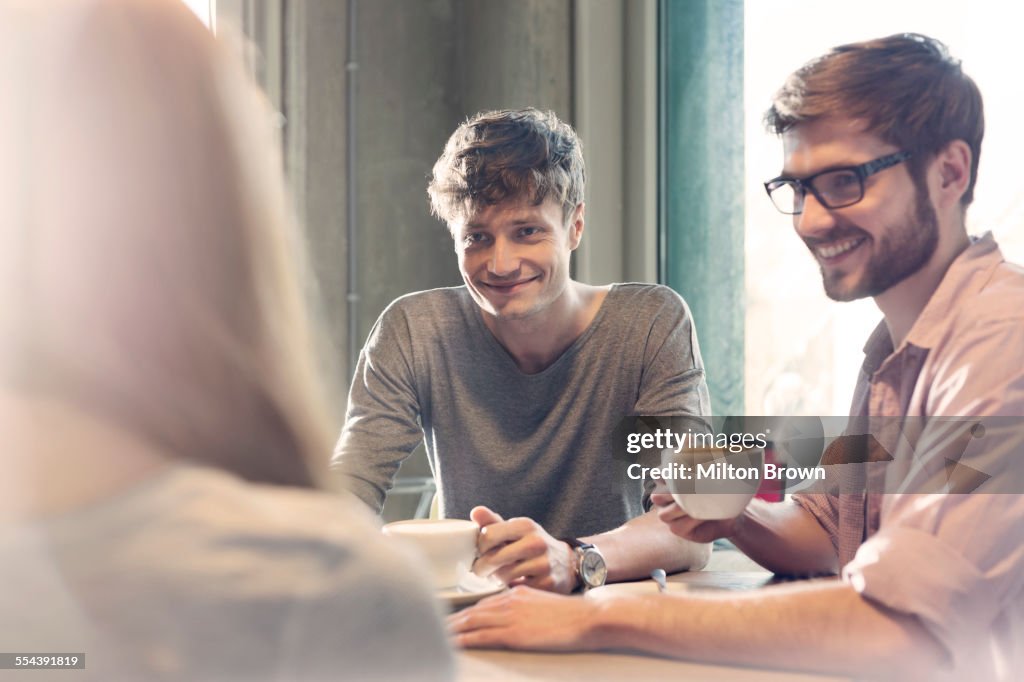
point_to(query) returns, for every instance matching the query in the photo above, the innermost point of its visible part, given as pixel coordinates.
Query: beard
(899, 253)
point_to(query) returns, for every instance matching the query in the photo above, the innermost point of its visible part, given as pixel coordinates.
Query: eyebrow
(528, 220)
(823, 169)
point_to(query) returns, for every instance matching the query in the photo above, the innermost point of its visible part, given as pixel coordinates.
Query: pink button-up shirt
(954, 560)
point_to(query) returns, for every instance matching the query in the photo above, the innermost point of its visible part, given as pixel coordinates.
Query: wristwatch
(590, 566)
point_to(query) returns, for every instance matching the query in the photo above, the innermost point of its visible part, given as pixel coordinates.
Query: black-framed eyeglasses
(833, 188)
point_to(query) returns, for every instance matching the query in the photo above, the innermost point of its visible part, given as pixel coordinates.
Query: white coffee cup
(714, 483)
(448, 545)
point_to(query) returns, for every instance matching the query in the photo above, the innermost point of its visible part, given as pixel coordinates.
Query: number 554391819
(10, 661)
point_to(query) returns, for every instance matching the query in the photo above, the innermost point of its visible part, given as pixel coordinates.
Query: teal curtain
(701, 213)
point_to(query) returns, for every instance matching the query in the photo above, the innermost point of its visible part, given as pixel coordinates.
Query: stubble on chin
(834, 289)
(898, 255)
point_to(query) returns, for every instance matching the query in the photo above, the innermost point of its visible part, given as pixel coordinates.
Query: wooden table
(526, 666)
(728, 570)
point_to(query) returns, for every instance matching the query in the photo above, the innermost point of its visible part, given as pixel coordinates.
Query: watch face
(593, 570)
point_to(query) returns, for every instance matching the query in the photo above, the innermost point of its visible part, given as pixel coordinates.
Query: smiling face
(873, 245)
(514, 256)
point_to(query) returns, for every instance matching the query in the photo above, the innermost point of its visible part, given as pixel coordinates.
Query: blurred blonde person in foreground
(161, 414)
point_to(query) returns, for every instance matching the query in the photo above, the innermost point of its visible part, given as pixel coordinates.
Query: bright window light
(203, 10)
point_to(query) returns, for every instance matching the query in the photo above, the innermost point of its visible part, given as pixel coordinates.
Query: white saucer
(633, 589)
(471, 589)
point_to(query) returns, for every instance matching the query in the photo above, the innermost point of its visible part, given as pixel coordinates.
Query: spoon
(659, 576)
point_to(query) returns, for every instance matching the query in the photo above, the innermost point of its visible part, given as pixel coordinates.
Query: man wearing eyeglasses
(881, 143)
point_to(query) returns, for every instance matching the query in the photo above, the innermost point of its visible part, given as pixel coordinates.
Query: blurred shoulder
(291, 526)
(307, 574)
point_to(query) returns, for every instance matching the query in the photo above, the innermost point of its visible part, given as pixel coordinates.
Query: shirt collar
(967, 275)
(877, 348)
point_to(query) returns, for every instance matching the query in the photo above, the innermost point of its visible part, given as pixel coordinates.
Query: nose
(504, 260)
(814, 219)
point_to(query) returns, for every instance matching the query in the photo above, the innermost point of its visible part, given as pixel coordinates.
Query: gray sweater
(537, 445)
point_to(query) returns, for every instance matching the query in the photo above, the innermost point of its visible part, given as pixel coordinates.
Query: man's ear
(951, 170)
(576, 226)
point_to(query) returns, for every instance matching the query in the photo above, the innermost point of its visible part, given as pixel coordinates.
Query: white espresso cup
(714, 483)
(448, 545)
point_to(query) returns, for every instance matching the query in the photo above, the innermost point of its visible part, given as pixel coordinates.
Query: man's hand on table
(524, 618)
(520, 552)
(685, 526)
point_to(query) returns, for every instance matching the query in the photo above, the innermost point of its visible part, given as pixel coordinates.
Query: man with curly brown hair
(516, 380)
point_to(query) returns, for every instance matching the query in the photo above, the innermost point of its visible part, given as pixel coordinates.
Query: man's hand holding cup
(520, 552)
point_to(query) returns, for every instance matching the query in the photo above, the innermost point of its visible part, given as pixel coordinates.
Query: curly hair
(508, 154)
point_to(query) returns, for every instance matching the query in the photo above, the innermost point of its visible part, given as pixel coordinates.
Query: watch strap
(576, 543)
(578, 548)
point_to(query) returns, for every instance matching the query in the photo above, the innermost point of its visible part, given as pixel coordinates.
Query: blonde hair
(158, 267)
